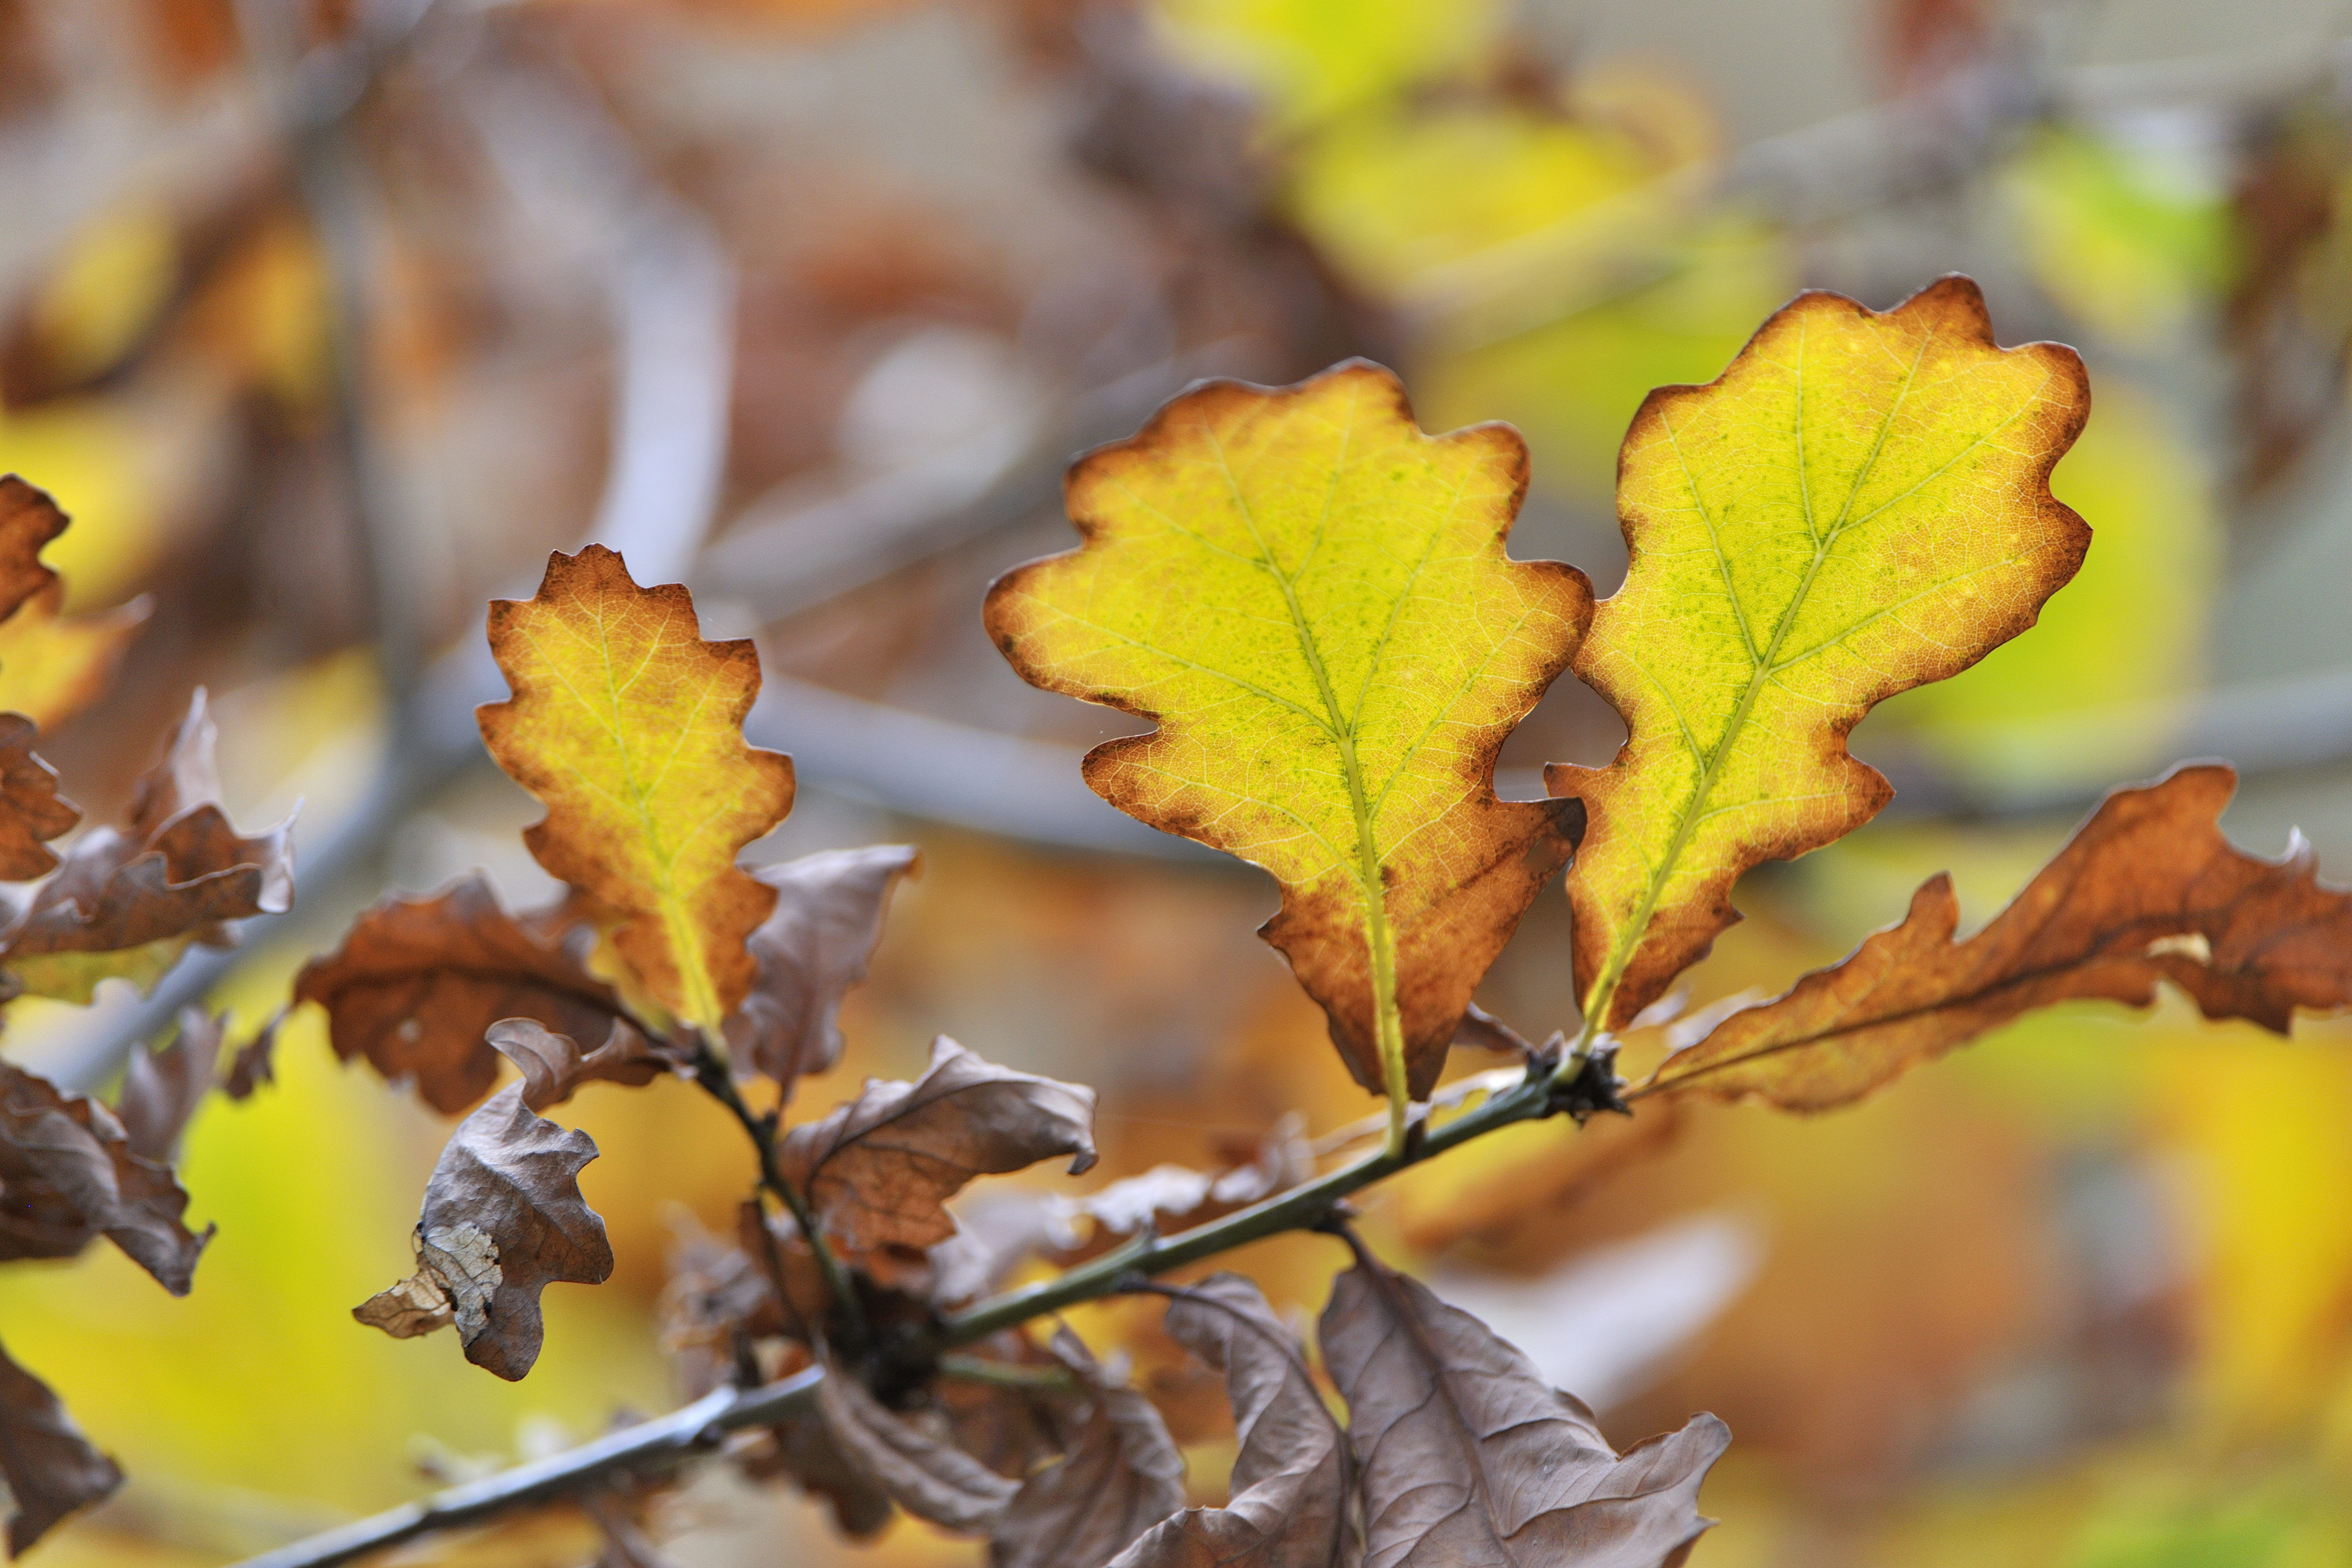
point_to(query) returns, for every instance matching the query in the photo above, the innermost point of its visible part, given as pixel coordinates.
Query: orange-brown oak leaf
(418, 982)
(1860, 504)
(30, 809)
(628, 728)
(503, 1219)
(1311, 599)
(879, 1169)
(810, 951)
(49, 1468)
(28, 521)
(1467, 1458)
(2148, 890)
(69, 1174)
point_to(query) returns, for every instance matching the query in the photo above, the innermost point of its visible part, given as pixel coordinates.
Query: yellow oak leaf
(1311, 598)
(628, 727)
(1860, 504)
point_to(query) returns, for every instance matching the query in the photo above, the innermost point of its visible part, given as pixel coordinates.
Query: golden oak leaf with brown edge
(1859, 505)
(1312, 601)
(2148, 890)
(628, 727)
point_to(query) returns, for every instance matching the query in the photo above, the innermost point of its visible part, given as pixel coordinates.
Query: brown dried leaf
(554, 1066)
(811, 951)
(879, 1169)
(1170, 1199)
(417, 983)
(28, 521)
(1122, 1476)
(503, 1219)
(253, 1063)
(161, 1088)
(30, 810)
(918, 1470)
(1468, 1460)
(803, 1449)
(1290, 1482)
(68, 1174)
(2148, 890)
(48, 1467)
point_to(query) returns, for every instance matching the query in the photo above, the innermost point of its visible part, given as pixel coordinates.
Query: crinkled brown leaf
(503, 1219)
(879, 1169)
(1290, 1481)
(68, 1174)
(916, 1467)
(48, 1467)
(126, 902)
(162, 1089)
(809, 953)
(1466, 1460)
(1122, 1476)
(2148, 890)
(418, 982)
(255, 1062)
(554, 1067)
(30, 810)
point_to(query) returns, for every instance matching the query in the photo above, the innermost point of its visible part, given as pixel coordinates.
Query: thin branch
(646, 1448)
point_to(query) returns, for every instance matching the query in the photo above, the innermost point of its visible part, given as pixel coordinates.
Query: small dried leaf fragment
(879, 1169)
(628, 727)
(160, 1090)
(1122, 1476)
(1468, 1460)
(30, 811)
(503, 1219)
(1311, 599)
(418, 982)
(918, 1470)
(50, 1467)
(53, 664)
(1290, 1483)
(69, 1174)
(554, 1067)
(2148, 890)
(1859, 505)
(809, 953)
(255, 1063)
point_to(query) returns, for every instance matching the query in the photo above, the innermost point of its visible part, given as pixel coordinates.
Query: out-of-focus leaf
(918, 1470)
(53, 664)
(628, 727)
(1309, 61)
(126, 902)
(48, 1467)
(1291, 1480)
(69, 1174)
(879, 1169)
(2148, 890)
(1467, 1459)
(1858, 505)
(418, 982)
(1311, 599)
(503, 1219)
(553, 1065)
(28, 521)
(803, 1450)
(1170, 1198)
(162, 1089)
(1122, 1476)
(30, 810)
(1522, 1174)
(253, 1063)
(812, 950)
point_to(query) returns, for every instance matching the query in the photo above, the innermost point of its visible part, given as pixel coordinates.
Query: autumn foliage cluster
(1311, 603)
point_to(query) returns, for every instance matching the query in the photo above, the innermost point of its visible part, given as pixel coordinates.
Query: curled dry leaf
(503, 1219)
(1122, 1476)
(554, 1067)
(126, 902)
(879, 1169)
(1290, 1483)
(911, 1464)
(255, 1062)
(809, 953)
(418, 982)
(69, 1174)
(1467, 1459)
(50, 1467)
(162, 1089)
(628, 727)
(1859, 505)
(1311, 599)
(30, 811)
(2148, 890)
